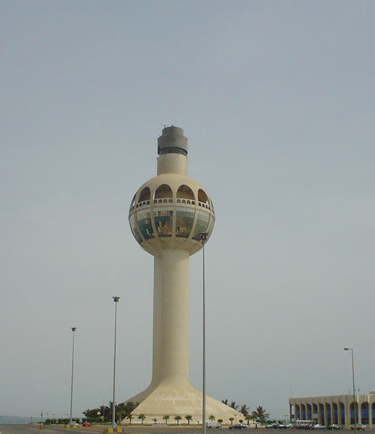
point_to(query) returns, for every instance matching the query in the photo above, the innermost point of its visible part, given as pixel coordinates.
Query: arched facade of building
(338, 409)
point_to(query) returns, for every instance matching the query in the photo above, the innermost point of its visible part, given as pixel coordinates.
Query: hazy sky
(276, 99)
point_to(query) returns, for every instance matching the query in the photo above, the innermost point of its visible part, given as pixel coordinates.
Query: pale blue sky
(277, 101)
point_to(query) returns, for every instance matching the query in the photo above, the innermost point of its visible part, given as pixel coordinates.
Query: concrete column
(156, 346)
(175, 317)
(326, 413)
(347, 411)
(370, 401)
(358, 405)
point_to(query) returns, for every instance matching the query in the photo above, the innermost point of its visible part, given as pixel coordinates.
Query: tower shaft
(174, 360)
(172, 163)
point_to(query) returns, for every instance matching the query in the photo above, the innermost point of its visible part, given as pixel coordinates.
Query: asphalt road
(28, 429)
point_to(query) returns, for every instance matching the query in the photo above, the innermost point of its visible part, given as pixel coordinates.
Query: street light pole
(116, 300)
(354, 400)
(203, 237)
(71, 385)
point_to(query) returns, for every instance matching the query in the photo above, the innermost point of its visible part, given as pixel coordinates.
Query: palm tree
(260, 414)
(177, 419)
(231, 420)
(87, 412)
(244, 409)
(249, 417)
(188, 417)
(225, 401)
(234, 405)
(166, 417)
(142, 417)
(212, 417)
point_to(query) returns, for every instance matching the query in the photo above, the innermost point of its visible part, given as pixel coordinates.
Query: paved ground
(30, 429)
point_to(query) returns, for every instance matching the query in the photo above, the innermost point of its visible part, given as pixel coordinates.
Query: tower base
(180, 400)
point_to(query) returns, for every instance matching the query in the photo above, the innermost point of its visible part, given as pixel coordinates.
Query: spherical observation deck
(169, 212)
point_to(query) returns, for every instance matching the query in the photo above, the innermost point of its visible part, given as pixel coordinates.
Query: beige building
(337, 409)
(169, 215)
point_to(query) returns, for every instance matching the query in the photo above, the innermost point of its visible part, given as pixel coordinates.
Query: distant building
(338, 409)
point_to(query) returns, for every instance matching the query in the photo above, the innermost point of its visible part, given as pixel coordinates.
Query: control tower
(167, 215)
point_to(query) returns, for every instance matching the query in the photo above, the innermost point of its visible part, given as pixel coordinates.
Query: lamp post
(354, 400)
(203, 237)
(116, 300)
(71, 385)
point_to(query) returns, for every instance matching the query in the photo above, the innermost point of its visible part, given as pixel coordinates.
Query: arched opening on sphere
(163, 191)
(203, 198)
(145, 195)
(132, 204)
(185, 192)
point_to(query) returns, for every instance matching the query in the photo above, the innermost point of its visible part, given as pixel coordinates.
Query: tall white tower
(167, 215)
